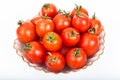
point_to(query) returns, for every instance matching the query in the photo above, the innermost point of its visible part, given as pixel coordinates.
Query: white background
(12, 67)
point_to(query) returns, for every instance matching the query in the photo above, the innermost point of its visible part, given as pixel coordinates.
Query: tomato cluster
(59, 39)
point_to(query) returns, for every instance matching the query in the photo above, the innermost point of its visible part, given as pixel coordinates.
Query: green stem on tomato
(77, 52)
(27, 46)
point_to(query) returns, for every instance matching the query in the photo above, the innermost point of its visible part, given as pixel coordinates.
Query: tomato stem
(53, 59)
(77, 8)
(77, 52)
(46, 6)
(20, 22)
(94, 16)
(49, 53)
(92, 30)
(51, 37)
(27, 46)
(67, 14)
(79, 14)
(72, 34)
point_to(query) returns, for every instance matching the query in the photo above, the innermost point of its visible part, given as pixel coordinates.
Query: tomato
(55, 62)
(49, 9)
(35, 52)
(79, 9)
(70, 37)
(61, 22)
(76, 58)
(64, 50)
(52, 41)
(36, 19)
(43, 26)
(95, 27)
(90, 43)
(26, 32)
(81, 22)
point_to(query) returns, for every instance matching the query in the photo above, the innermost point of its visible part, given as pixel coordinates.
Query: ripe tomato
(43, 26)
(64, 50)
(76, 58)
(26, 31)
(55, 61)
(79, 9)
(52, 41)
(61, 22)
(90, 43)
(95, 27)
(81, 22)
(36, 19)
(35, 52)
(70, 37)
(49, 9)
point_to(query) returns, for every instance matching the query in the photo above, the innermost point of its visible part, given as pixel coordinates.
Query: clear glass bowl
(18, 46)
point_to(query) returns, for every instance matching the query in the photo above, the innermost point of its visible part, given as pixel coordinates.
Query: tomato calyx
(20, 22)
(27, 46)
(80, 14)
(52, 58)
(94, 16)
(73, 33)
(51, 38)
(77, 52)
(46, 17)
(77, 8)
(67, 14)
(92, 30)
(46, 6)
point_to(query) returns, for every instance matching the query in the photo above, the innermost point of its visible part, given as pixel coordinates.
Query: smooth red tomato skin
(70, 37)
(90, 43)
(64, 50)
(76, 62)
(36, 19)
(44, 26)
(49, 9)
(57, 65)
(96, 24)
(81, 10)
(81, 23)
(37, 53)
(52, 41)
(26, 32)
(61, 22)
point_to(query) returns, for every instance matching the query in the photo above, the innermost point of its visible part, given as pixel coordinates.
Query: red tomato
(52, 41)
(36, 19)
(76, 58)
(70, 37)
(43, 26)
(64, 50)
(35, 52)
(61, 22)
(90, 43)
(26, 32)
(81, 22)
(79, 9)
(95, 27)
(49, 9)
(55, 62)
